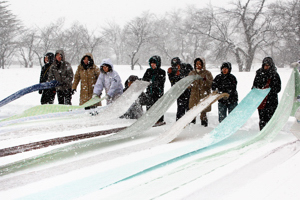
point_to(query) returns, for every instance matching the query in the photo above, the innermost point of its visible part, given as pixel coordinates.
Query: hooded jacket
(226, 83)
(110, 81)
(62, 72)
(199, 88)
(157, 79)
(268, 78)
(88, 75)
(46, 67)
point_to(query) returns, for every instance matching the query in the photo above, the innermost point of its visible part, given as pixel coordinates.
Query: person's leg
(52, 96)
(222, 111)
(231, 107)
(203, 118)
(263, 118)
(68, 97)
(181, 108)
(60, 97)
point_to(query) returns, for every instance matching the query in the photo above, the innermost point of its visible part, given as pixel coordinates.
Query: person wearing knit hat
(226, 82)
(176, 72)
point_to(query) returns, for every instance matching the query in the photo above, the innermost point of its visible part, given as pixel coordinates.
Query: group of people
(94, 80)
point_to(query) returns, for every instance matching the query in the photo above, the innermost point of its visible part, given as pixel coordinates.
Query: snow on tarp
(195, 169)
(297, 91)
(83, 186)
(119, 105)
(142, 124)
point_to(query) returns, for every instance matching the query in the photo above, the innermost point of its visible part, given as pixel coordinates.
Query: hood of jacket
(62, 53)
(155, 59)
(108, 63)
(202, 60)
(91, 60)
(226, 65)
(270, 62)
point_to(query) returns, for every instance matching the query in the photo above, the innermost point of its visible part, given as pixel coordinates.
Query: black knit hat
(175, 61)
(133, 78)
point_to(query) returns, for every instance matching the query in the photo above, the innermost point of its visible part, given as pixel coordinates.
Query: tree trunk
(239, 60)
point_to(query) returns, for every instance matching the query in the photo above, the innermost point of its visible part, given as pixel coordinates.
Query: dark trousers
(223, 108)
(64, 97)
(150, 102)
(182, 106)
(48, 96)
(265, 115)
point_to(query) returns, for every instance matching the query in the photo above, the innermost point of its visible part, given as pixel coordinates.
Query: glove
(40, 91)
(107, 97)
(173, 70)
(73, 91)
(95, 95)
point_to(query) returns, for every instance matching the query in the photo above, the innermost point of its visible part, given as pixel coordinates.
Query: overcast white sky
(94, 13)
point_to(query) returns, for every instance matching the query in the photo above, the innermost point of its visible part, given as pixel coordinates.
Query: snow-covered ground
(269, 171)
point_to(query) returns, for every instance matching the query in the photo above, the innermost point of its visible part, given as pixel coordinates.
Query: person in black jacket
(176, 72)
(267, 77)
(157, 78)
(48, 95)
(226, 83)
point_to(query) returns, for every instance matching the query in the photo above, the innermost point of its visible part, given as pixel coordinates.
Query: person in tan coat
(87, 72)
(200, 88)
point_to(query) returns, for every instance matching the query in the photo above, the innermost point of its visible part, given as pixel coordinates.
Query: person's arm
(98, 88)
(76, 79)
(114, 87)
(275, 84)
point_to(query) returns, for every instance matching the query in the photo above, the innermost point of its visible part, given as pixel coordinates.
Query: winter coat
(88, 75)
(110, 81)
(61, 72)
(199, 88)
(261, 79)
(46, 67)
(226, 83)
(157, 79)
(176, 75)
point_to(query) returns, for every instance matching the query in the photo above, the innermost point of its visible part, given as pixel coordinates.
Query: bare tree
(90, 42)
(45, 40)
(9, 29)
(217, 29)
(115, 39)
(239, 30)
(284, 39)
(138, 32)
(26, 48)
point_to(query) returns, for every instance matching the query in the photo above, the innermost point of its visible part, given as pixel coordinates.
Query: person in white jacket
(109, 80)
